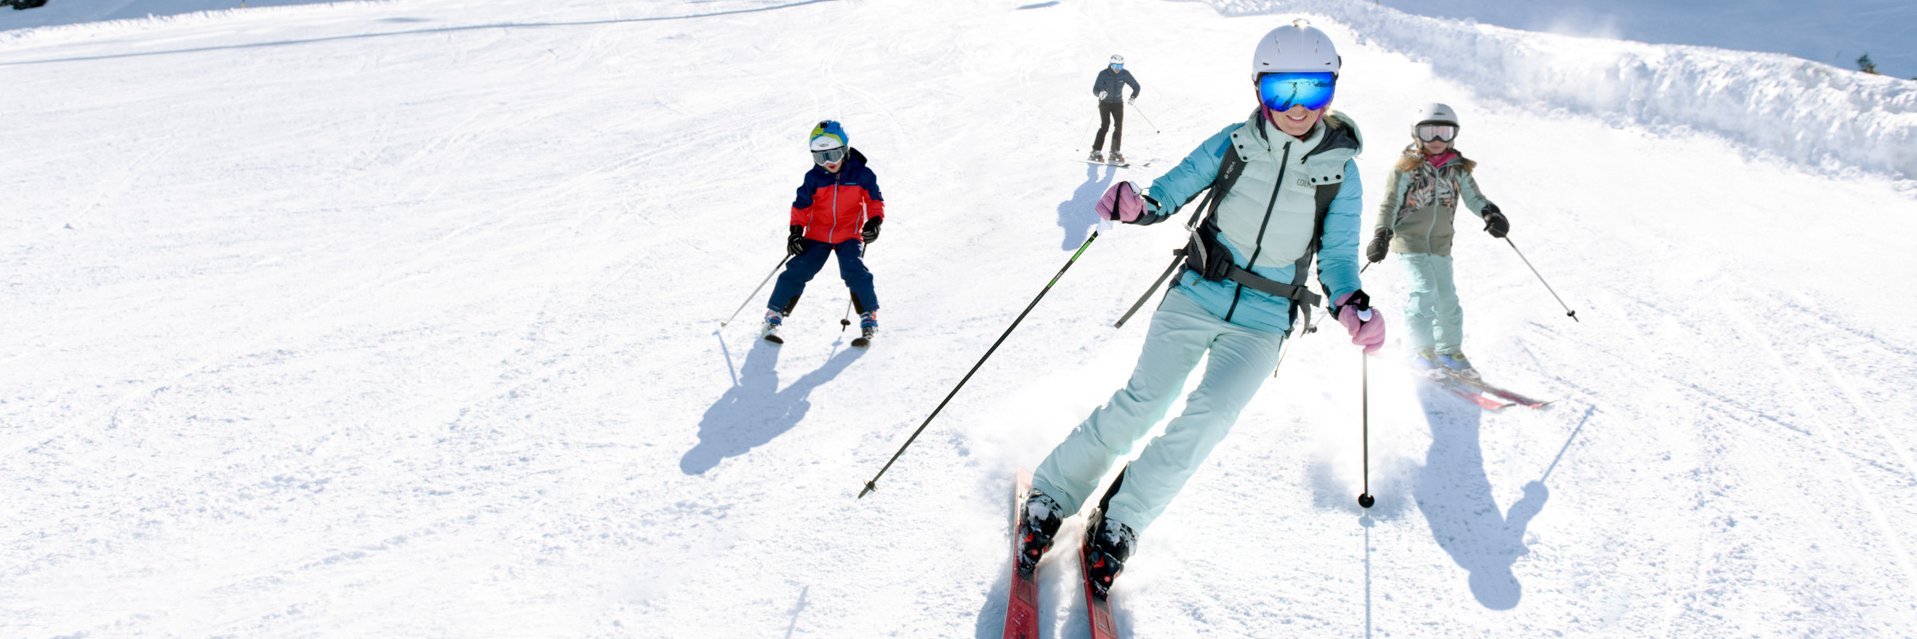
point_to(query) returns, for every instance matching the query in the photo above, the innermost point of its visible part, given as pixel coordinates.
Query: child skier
(1421, 199)
(1275, 179)
(838, 211)
(1109, 86)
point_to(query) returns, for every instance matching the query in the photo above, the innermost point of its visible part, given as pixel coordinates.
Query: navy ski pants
(801, 268)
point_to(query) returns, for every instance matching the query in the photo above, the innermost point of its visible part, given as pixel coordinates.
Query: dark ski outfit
(1110, 86)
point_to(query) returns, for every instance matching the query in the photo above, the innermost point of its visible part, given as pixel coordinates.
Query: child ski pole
(1547, 285)
(755, 291)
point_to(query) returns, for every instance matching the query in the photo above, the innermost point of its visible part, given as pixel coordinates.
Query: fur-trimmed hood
(1412, 156)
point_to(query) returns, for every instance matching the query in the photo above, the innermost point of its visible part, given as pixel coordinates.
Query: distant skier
(1276, 177)
(1109, 86)
(838, 211)
(1421, 199)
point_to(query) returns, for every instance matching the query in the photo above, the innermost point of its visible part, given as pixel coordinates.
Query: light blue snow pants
(1432, 317)
(1181, 333)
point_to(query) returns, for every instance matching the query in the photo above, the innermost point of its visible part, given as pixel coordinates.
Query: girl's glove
(1494, 222)
(1380, 245)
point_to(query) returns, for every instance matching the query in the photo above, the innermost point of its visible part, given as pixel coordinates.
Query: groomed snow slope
(398, 319)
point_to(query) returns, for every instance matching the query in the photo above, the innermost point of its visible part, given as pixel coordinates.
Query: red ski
(1021, 610)
(1470, 392)
(1500, 393)
(1100, 608)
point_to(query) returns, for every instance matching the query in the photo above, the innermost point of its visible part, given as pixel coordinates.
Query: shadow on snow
(755, 410)
(1455, 496)
(1079, 214)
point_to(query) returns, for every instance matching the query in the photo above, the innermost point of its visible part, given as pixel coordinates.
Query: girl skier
(837, 212)
(1283, 185)
(1421, 199)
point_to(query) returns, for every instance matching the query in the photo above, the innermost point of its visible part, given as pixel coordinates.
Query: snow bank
(1802, 111)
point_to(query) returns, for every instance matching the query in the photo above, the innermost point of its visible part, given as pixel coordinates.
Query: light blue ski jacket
(1266, 219)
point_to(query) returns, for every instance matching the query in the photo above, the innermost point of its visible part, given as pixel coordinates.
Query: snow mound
(1801, 111)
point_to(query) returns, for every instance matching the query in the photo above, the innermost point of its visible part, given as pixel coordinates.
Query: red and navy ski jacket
(834, 206)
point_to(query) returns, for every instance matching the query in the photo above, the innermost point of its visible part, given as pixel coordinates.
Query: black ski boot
(1107, 545)
(1036, 529)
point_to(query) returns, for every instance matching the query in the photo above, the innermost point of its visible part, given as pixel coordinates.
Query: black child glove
(871, 231)
(1494, 222)
(1380, 245)
(795, 244)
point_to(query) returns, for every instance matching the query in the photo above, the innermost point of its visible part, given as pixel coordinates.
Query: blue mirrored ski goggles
(1281, 91)
(828, 156)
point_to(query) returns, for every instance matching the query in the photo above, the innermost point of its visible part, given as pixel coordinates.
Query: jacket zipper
(1284, 165)
(835, 206)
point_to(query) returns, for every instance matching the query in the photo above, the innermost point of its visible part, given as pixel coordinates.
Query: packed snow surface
(403, 319)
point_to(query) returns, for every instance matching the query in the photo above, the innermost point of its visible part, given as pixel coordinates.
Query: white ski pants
(1181, 333)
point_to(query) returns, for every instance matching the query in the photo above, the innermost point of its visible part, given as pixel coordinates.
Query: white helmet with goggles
(1435, 121)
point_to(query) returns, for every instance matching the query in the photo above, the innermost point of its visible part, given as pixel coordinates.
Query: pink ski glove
(1365, 325)
(1121, 203)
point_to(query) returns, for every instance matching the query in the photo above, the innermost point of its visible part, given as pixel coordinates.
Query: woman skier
(1421, 199)
(1283, 186)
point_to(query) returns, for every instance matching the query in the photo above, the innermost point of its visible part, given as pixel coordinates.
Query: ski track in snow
(398, 319)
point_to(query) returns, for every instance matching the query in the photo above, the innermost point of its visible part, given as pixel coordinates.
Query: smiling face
(1435, 147)
(1296, 121)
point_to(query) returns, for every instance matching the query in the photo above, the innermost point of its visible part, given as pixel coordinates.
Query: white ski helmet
(1296, 47)
(1436, 113)
(1118, 59)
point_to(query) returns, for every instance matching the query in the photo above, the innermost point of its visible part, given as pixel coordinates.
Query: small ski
(1122, 166)
(1471, 393)
(1021, 609)
(1099, 608)
(1481, 386)
(774, 338)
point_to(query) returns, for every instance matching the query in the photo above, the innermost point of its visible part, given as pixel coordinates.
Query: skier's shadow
(1454, 494)
(1079, 214)
(755, 410)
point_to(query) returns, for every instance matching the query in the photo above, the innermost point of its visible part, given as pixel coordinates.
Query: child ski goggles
(1437, 132)
(828, 156)
(1281, 91)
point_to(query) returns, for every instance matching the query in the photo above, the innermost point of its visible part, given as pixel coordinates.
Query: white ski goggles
(1437, 132)
(828, 156)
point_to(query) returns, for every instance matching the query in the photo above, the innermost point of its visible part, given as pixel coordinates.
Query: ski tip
(860, 342)
(775, 339)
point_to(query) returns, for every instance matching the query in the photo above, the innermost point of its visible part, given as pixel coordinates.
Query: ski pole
(1365, 499)
(755, 292)
(1547, 285)
(1148, 119)
(873, 483)
(1176, 258)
